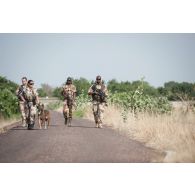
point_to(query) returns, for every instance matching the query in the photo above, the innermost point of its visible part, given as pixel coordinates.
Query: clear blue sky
(51, 58)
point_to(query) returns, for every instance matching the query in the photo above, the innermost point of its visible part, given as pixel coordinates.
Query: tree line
(174, 91)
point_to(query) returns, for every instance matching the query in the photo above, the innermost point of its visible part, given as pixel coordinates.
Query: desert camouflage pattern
(31, 112)
(30, 96)
(98, 106)
(68, 91)
(20, 90)
(23, 111)
(98, 112)
(22, 105)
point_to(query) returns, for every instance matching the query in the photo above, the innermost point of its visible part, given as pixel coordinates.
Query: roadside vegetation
(8, 99)
(54, 105)
(151, 119)
(9, 111)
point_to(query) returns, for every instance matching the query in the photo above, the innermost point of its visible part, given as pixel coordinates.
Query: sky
(51, 58)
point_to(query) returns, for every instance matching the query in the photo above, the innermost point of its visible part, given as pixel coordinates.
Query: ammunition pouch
(99, 96)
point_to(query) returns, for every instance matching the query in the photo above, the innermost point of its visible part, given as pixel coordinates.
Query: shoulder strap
(93, 87)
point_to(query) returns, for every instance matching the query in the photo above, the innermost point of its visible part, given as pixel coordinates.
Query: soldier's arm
(37, 99)
(74, 92)
(19, 93)
(106, 91)
(90, 91)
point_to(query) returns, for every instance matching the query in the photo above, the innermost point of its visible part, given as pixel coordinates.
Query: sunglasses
(98, 79)
(31, 83)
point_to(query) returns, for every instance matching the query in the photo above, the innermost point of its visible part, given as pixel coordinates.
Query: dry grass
(174, 133)
(6, 122)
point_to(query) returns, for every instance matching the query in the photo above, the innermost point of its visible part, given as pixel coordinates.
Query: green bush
(41, 92)
(134, 101)
(8, 103)
(7, 84)
(81, 103)
(8, 100)
(57, 93)
(137, 101)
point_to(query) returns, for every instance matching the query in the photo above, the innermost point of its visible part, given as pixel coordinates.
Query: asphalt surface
(81, 143)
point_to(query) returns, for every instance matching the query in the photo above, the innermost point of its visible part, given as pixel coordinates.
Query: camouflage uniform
(22, 104)
(30, 95)
(68, 91)
(98, 102)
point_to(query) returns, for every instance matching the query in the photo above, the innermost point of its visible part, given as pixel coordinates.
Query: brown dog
(43, 116)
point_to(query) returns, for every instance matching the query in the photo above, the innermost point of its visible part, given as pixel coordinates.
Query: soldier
(69, 94)
(31, 97)
(99, 92)
(22, 102)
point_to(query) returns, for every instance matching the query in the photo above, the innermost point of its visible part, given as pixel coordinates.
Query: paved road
(79, 143)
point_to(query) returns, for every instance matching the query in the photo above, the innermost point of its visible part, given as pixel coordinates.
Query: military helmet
(98, 77)
(69, 79)
(30, 82)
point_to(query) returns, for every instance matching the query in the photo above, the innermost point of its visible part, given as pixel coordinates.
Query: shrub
(8, 103)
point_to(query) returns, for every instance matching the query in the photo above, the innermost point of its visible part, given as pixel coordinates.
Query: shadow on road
(83, 126)
(23, 129)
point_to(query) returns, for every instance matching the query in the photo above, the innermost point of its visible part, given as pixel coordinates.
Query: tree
(82, 85)
(41, 92)
(46, 89)
(57, 92)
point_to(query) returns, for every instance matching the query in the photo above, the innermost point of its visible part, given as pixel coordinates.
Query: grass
(79, 113)
(173, 133)
(5, 122)
(54, 105)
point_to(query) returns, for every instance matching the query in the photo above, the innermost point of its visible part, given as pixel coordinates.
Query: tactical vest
(97, 97)
(29, 95)
(68, 94)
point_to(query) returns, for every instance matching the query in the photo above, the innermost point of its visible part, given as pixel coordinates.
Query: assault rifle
(101, 94)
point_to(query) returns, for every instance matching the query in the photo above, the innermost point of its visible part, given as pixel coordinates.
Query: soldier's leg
(101, 114)
(32, 114)
(70, 115)
(22, 107)
(95, 113)
(65, 111)
(45, 124)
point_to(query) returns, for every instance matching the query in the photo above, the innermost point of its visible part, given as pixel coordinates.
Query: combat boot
(65, 121)
(30, 126)
(96, 125)
(24, 123)
(69, 122)
(100, 125)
